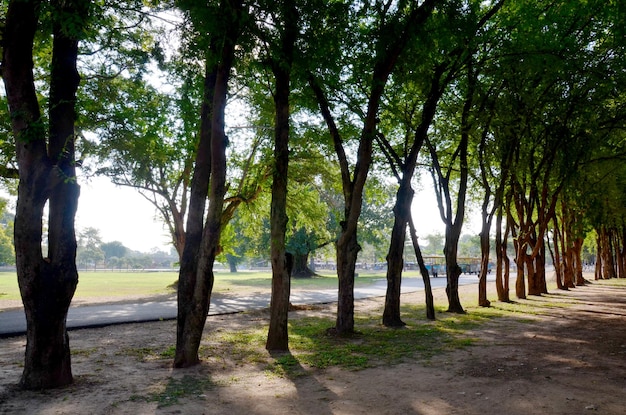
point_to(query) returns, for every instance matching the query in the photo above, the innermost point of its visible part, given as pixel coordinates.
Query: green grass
(98, 284)
(122, 284)
(312, 346)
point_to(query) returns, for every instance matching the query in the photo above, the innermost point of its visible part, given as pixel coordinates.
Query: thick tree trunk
(395, 256)
(578, 262)
(232, 263)
(47, 285)
(347, 252)
(277, 336)
(202, 242)
(453, 270)
(598, 266)
(557, 257)
(186, 350)
(402, 208)
(534, 266)
(503, 294)
(301, 268)
(520, 285)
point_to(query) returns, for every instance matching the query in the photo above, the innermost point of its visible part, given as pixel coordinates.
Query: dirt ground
(568, 358)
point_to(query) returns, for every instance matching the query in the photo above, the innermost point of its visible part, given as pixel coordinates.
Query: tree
(389, 31)
(209, 176)
(281, 60)
(89, 251)
(404, 168)
(45, 157)
(554, 96)
(114, 249)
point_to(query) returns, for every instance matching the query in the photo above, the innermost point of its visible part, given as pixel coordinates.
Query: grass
(311, 345)
(123, 284)
(177, 388)
(98, 284)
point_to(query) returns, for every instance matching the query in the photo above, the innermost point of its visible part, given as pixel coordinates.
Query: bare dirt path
(567, 357)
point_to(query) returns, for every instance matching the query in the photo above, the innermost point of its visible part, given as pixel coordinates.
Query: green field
(122, 284)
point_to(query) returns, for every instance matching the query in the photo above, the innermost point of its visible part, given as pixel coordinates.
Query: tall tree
(404, 169)
(390, 29)
(281, 61)
(45, 156)
(209, 177)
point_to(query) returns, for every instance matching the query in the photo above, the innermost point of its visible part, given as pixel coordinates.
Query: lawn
(120, 284)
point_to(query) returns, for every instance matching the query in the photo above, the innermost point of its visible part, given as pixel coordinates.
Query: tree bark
(395, 35)
(301, 268)
(282, 263)
(47, 285)
(428, 291)
(395, 261)
(484, 264)
(186, 351)
(502, 294)
(202, 241)
(404, 199)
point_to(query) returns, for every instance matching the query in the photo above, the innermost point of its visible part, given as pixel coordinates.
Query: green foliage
(89, 252)
(7, 250)
(113, 249)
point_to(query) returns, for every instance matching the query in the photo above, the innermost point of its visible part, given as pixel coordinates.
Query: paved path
(13, 323)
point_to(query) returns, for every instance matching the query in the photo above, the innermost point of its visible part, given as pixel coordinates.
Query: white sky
(121, 214)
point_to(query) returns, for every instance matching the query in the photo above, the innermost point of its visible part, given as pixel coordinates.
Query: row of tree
(518, 105)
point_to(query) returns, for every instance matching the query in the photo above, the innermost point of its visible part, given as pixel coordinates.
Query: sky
(122, 214)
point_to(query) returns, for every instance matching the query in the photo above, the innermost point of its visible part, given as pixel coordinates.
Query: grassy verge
(123, 284)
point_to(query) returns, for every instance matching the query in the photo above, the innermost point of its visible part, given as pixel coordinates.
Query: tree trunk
(186, 348)
(503, 295)
(534, 265)
(484, 265)
(598, 267)
(202, 242)
(347, 252)
(507, 267)
(557, 257)
(402, 207)
(232, 263)
(428, 291)
(453, 270)
(47, 285)
(520, 285)
(395, 256)
(578, 262)
(390, 45)
(301, 267)
(277, 336)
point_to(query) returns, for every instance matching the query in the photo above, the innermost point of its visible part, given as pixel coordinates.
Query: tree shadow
(306, 383)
